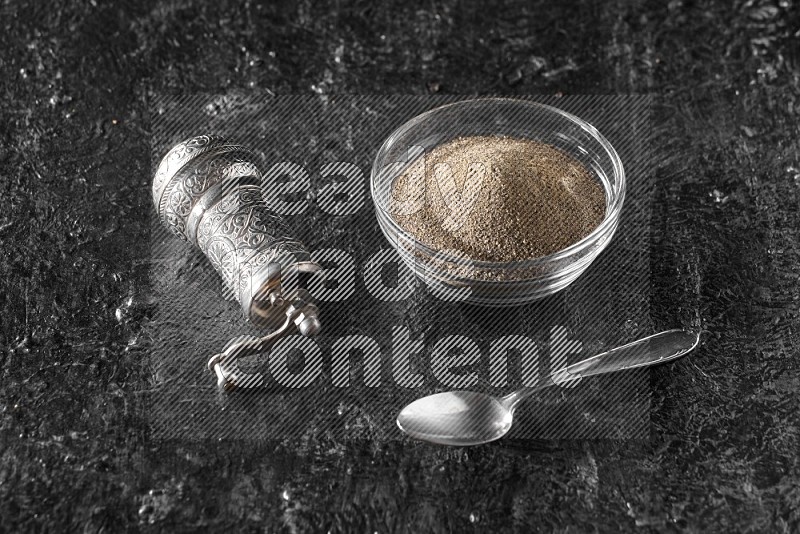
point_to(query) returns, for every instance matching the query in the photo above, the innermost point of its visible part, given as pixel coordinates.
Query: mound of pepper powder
(497, 199)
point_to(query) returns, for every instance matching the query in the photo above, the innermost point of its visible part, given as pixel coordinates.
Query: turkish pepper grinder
(209, 192)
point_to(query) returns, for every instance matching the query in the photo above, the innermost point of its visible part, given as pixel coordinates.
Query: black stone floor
(75, 454)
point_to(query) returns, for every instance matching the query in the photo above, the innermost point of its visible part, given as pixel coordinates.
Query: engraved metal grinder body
(210, 193)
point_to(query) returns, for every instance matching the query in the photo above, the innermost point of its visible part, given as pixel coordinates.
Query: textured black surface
(74, 176)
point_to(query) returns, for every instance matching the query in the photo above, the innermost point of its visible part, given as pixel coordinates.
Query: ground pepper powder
(497, 199)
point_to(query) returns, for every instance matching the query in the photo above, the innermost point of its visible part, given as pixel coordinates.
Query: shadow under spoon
(468, 418)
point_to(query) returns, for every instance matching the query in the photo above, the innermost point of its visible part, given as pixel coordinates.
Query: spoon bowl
(456, 418)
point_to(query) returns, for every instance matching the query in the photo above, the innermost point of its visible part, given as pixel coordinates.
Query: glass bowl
(454, 276)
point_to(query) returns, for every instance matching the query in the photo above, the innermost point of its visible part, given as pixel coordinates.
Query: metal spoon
(469, 418)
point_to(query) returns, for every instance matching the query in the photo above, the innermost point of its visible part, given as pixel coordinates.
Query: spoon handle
(651, 350)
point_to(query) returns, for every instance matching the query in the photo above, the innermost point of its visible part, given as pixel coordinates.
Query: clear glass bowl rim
(613, 210)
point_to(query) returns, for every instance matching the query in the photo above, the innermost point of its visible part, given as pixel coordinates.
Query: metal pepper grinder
(209, 192)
